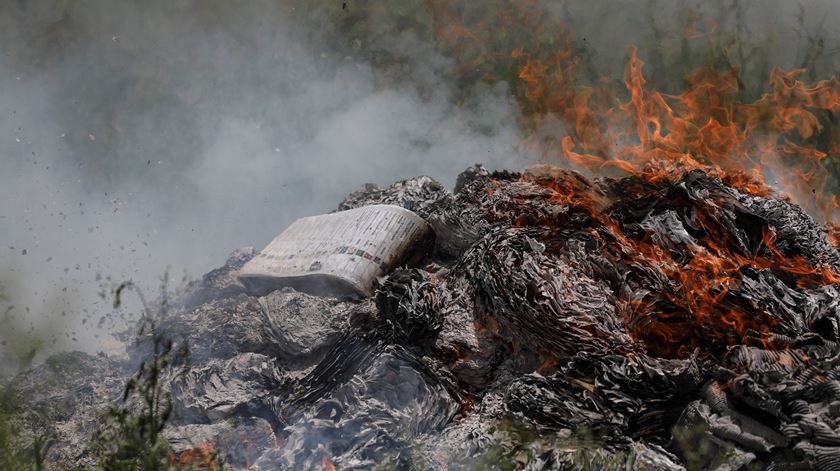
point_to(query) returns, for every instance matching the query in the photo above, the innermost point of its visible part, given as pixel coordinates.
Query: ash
(559, 323)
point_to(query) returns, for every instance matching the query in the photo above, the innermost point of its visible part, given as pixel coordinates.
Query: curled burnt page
(341, 253)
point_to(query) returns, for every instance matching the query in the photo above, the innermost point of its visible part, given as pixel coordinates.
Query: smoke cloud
(140, 136)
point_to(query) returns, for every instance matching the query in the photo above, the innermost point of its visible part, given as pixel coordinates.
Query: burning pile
(636, 309)
(680, 313)
(559, 321)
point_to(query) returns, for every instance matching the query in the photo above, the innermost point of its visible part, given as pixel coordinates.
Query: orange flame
(696, 311)
(327, 463)
(776, 143)
(202, 457)
(704, 127)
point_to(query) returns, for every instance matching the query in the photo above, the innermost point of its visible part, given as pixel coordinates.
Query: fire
(779, 139)
(693, 308)
(706, 127)
(202, 457)
(466, 407)
(327, 463)
(775, 143)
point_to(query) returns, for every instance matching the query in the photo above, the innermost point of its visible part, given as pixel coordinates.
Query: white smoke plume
(140, 136)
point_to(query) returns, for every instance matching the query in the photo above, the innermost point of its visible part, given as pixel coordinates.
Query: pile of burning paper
(556, 321)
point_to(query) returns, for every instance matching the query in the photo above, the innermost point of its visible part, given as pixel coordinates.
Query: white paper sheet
(353, 247)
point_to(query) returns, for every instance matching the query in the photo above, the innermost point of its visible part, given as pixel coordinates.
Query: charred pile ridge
(641, 310)
(559, 322)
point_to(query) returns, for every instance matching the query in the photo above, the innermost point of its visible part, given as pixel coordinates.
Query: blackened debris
(559, 322)
(408, 301)
(416, 194)
(539, 301)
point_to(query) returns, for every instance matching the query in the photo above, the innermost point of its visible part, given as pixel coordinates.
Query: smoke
(674, 37)
(136, 137)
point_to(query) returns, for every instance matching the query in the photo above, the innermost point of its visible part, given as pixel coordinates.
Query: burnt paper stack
(559, 322)
(342, 253)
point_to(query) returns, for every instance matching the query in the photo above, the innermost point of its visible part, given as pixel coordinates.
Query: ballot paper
(341, 253)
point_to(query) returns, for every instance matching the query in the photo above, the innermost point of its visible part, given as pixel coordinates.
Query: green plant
(13, 457)
(131, 439)
(518, 444)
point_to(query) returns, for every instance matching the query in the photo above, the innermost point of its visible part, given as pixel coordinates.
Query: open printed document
(339, 253)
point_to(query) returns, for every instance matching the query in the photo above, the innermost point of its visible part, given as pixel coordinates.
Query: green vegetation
(451, 47)
(130, 437)
(15, 456)
(674, 39)
(518, 444)
(699, 452)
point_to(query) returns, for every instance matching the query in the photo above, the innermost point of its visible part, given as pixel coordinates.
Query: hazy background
(141, 135)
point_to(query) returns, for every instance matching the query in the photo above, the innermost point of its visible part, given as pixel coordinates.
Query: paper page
(357, 246)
